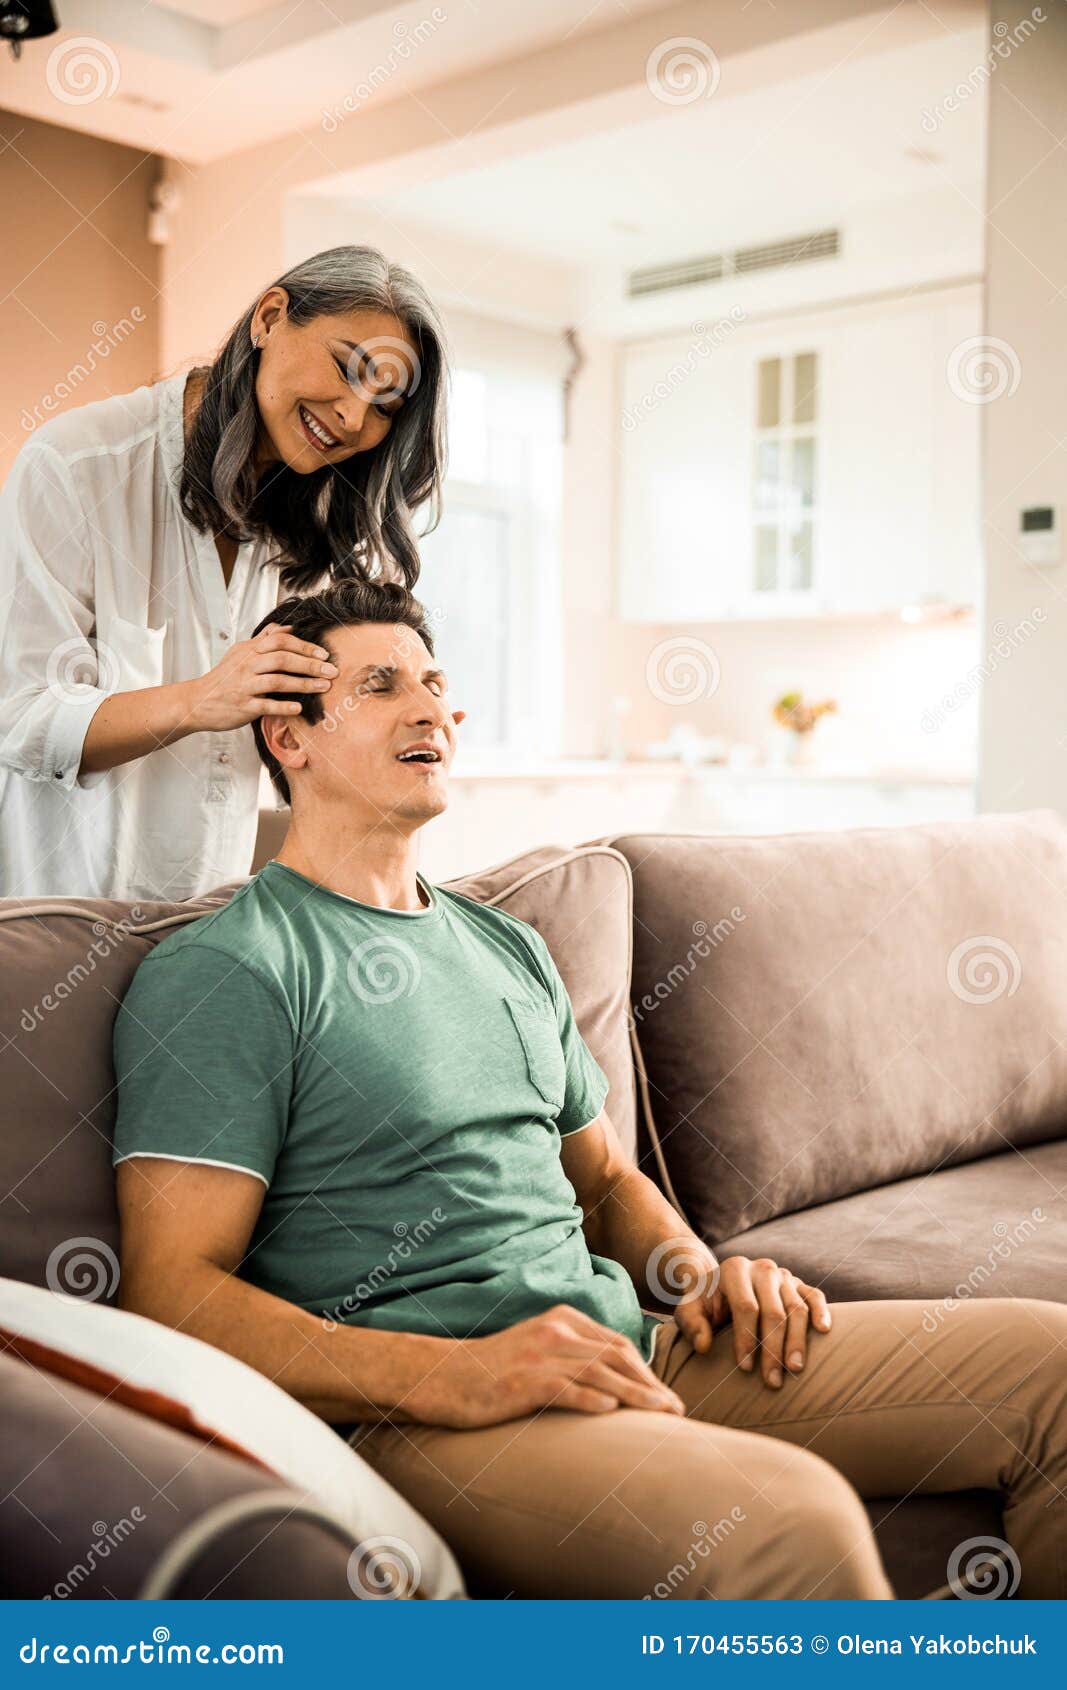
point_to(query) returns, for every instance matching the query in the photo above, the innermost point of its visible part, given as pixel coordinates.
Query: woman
(144, 536)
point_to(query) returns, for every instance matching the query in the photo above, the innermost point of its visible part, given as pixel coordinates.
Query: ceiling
(198, 79)
(216, 12)
(724, 171)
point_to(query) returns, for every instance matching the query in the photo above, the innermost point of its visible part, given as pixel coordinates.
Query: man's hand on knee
(559, 1359)
(770, 1308)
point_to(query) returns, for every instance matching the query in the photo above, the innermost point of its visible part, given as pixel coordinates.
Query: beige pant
(756, 1492)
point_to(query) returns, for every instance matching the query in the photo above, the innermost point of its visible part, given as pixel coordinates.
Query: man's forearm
(347, 1373)
(630, 1223)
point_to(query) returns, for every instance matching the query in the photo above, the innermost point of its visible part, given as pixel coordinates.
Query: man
(362, 1146)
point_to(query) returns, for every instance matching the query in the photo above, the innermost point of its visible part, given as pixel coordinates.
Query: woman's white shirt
(106, 587)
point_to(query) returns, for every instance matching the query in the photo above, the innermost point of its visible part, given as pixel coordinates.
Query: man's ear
(284, 741)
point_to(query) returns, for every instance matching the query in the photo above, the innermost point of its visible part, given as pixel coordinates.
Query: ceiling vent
(661, 278)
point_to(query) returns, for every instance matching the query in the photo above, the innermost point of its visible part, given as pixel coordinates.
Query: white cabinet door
(683, 479)
(896, 466)
(877, 451)
(900, 505)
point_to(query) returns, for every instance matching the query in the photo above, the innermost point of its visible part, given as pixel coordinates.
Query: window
(783, 492)
(468, 427)
(490, 572)
(464, 586)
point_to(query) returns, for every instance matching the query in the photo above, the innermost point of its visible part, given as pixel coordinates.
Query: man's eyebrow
(388, 671)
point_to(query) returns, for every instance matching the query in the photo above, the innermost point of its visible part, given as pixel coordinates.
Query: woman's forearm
(131, 724)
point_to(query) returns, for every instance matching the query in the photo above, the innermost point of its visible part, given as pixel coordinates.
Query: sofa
(846, 1051)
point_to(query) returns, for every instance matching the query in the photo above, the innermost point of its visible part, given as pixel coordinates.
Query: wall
(592, 655)
(1023, 759)
(79, 279)
(460, 274)
(890, 681)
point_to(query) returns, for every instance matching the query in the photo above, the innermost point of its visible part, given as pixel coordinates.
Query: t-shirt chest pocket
(538, 1033)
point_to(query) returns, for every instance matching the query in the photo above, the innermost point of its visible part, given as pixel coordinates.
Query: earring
(255, 342)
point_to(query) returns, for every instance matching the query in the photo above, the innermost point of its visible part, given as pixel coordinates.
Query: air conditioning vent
(778, 253)
(661, 278)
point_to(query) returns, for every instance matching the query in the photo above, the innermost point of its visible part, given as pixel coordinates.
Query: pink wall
(80, 282)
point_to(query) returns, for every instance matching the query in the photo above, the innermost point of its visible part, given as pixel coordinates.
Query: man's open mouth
(419, 757)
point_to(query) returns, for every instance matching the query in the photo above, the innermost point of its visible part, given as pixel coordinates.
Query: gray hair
(347, 520)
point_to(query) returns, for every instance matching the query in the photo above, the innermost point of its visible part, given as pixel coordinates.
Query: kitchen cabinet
(683, 521)
(883, 468)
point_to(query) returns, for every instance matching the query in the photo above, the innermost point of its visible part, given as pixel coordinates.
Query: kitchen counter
(645, 768)
(496, 810)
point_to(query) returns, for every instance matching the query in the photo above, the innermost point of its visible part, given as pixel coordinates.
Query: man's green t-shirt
(400, 1081)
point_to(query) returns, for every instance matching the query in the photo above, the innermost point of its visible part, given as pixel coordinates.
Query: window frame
(785, 517)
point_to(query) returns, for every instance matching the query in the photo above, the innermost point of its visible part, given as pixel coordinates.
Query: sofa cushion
(821, 1013)
(993, 1228)
(65, 965)
(173, 1377)
(94, 1499)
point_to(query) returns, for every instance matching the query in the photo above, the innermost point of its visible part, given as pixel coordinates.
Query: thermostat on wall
(1039, 534)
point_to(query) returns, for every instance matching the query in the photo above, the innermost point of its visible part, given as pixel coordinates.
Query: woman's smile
(316, 431)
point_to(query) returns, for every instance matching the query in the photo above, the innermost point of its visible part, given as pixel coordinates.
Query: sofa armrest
(96, 1495)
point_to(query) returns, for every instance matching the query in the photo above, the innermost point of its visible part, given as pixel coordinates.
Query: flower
(793, 713)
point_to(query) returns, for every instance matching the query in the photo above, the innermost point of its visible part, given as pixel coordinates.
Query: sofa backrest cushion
(820, 1013)
(65, 965)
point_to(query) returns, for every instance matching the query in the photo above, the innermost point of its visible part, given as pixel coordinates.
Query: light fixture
(23, 20)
